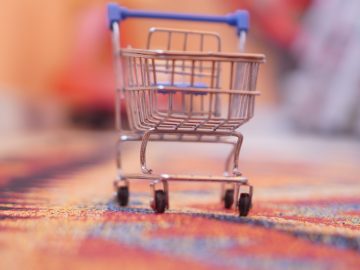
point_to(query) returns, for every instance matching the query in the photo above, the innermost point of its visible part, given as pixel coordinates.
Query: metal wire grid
(183, 91)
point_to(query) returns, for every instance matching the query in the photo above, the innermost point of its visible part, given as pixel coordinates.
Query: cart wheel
(160, 201)
(123, 196)
(228, 198)
(244, 204)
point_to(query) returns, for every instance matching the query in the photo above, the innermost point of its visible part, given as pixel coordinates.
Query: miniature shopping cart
(189, 91)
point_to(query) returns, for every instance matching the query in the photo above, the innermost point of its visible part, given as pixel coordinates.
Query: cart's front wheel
(122, 195)
(244, 204)
(228, 198)
(160, 201)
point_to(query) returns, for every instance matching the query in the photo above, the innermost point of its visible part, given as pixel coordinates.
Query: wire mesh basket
(189, 90)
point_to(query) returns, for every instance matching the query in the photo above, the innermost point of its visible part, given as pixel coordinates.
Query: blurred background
(56, 66)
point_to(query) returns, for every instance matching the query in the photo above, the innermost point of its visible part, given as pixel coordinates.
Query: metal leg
(144, 142)
(118, 159)
(227, 172)
(237, 147)
(120, 180)
(228, 160)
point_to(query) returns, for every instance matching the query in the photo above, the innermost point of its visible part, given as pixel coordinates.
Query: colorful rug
(57, 208)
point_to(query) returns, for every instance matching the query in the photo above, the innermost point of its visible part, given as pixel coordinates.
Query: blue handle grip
(239, 19)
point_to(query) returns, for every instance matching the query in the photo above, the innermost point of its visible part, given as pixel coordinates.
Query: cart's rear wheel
(122, 195)
(228, 198)
(244, 204)
(160, 201)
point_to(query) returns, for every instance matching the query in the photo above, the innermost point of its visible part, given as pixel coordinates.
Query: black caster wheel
(228, 198)
(122, 195)
(244, 204)
(160, 201)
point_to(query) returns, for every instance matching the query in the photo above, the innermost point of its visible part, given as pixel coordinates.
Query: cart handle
(239, 19)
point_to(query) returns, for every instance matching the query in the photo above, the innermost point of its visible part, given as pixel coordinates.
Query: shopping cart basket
(189, 91)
